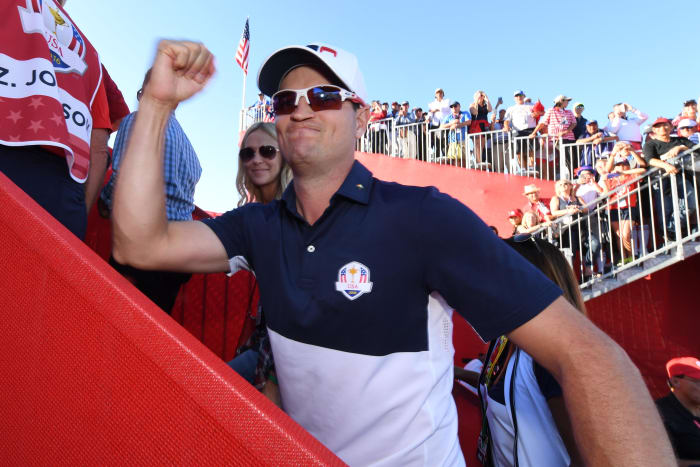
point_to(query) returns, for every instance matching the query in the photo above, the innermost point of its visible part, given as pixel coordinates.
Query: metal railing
(640, 225)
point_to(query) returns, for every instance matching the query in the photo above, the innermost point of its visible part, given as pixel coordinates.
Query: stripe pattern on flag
(243, 48)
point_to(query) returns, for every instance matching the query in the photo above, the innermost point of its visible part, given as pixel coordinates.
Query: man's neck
(314, 191)
(664, 138)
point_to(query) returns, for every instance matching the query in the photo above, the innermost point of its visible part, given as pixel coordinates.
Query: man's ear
(361, 119)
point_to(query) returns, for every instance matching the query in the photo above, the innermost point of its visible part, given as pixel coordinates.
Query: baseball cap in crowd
(584, 168)
(417, 109)
(661, 120)
(591, 122)
(688, 366)
(343, 65)
(439, 90)
(579, 104)
(454, 104)
(515, 213)
(687, 123)
(530, 189)
(561, 98)
(518, 92)
(404, 103)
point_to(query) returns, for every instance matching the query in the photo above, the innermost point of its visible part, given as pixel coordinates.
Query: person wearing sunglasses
(262, 176)
(263, 173)
(358, 302)
(680, 409)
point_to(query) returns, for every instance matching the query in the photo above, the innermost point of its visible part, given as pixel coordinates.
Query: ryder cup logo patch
(353, 280)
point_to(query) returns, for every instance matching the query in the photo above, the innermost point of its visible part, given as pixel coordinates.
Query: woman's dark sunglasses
(268, 152)
(325, 97)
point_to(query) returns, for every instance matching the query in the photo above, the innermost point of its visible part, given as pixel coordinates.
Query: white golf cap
(340, 63)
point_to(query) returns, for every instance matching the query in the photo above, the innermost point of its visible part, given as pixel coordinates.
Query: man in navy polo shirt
(356, 292)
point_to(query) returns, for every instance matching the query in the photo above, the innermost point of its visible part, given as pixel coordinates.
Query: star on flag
(35, 126)
(14, 116)
(36, 102)
(57, 119)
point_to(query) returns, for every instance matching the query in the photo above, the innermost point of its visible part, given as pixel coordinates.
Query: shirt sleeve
(545, 118)
(230, 227)
(100, 109)
(494, 288)
(119, 148)
(650, 151)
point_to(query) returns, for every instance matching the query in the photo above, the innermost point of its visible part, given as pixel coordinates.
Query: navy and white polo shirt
(358, 307)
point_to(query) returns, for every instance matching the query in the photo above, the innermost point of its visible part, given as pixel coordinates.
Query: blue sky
(600, 53)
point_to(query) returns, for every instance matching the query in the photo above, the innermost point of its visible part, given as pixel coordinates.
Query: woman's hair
(548, 259)
(559, 185)
(477, 94)
(248, 192)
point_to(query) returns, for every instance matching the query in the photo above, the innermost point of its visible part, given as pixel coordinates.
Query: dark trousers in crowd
(44, 176)
(161, 287)
(663, 199)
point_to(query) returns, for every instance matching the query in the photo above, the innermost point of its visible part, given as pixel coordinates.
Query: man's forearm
(612, 413)
(138, 212)
(98, 165)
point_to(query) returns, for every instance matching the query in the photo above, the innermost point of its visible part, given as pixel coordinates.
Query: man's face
(404, 109)
(564, 104)
(619, 110)
(317, 141)
(533, 197)
(394, 107)
(687, 132)
(585, 177)
(578, 110)
(687, 388)
(662, 129)
(419, 114)
(519, 99)
(592, 128)
(690, 109)
(439, 95)
(502, 114)
(455, 109)
(515, 220)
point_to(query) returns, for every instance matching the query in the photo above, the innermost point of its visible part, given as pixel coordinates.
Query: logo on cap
(353, 280)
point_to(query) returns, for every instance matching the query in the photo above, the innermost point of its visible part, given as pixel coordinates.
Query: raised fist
(180, 70)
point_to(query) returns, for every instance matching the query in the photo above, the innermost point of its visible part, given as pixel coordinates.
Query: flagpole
(245, 77)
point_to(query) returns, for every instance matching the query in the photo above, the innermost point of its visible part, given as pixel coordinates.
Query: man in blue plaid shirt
(181, 173)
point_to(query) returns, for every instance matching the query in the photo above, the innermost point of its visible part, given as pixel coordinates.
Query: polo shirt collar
(356, 187)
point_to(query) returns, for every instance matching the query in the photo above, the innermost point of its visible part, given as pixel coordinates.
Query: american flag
(243, 48)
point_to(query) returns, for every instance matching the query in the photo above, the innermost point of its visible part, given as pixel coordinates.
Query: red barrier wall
(490, 195)
(654, 319)
(94, 373)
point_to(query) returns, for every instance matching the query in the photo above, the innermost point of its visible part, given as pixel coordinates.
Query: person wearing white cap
(688, 128)
(437, 111)
(357, 303)
(519, 119)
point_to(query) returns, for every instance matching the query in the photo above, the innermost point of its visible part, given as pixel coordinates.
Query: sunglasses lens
(246, 154)
(283, 102)
(268, 152)
(325, 98)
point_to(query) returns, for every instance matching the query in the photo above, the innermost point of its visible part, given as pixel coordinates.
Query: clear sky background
(597, 52)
